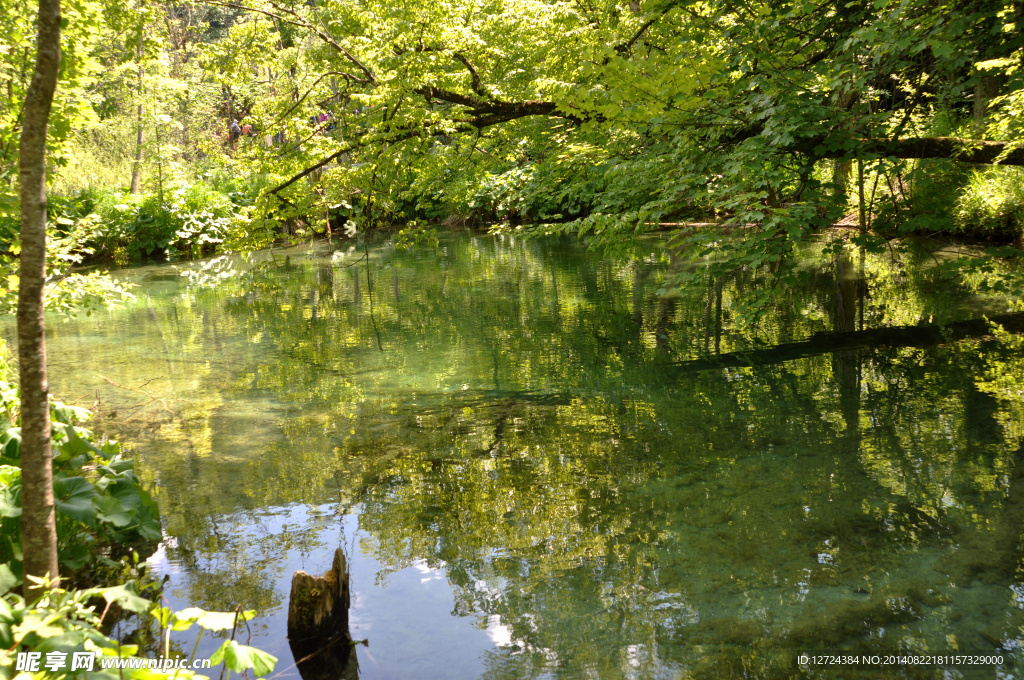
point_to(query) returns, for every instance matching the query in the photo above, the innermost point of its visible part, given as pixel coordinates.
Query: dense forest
(788, 159)
(184, 130)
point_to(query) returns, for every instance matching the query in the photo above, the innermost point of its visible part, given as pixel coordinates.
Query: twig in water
(152, 397)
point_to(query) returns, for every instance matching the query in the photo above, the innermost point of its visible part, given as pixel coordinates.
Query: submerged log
(878, 338)
(318, 606)
(325, 660)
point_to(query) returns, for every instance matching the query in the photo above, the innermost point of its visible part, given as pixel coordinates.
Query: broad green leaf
(7, 579)
(73, 497)
(127, 598)
(240, 658)
(111, 510)
(223, 620)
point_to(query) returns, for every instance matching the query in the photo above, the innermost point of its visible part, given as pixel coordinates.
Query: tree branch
(960, 150)
(627, 46)
(316, 82)
(399, 51)
(410, 134)
(840, 341)
(476, 85)
(328, 39)
(493, 112)
(302, 23)
(311, 169)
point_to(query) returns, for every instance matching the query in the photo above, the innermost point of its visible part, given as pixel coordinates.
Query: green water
(531, 481)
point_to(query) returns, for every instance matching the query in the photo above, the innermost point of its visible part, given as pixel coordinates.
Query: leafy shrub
(66, 621)
(101, 507)
(190, 222)
(242, 190)
(992, 204)
(568, 184)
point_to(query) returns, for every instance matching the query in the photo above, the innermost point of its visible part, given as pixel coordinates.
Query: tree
(665, 109)
(38, 528)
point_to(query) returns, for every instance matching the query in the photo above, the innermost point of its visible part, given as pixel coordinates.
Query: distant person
(234, 132)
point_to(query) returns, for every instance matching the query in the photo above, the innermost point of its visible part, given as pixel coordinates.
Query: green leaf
(38, 623)
(223, 620)
(10, 501)
(7, 579)
(130, 494)
(69, 415)
(73, 497)
(11, 449)
(10, 475)
(240, 658)
(184, 619)
(149, 525)
(127, 598)
(110, 510)
(75, 556)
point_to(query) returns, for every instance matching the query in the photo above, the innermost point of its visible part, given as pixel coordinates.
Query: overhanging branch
(407, 135)
(872, 339)
(487, 113)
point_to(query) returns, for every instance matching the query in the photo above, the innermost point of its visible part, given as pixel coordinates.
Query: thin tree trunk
(38, 527)
(159, 168)
(986, 89)
(841, 169)
(861, 208)
(137, 165)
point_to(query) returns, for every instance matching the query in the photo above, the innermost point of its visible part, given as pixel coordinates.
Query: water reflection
(523, 431)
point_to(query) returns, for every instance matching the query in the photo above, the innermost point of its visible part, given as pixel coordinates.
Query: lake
(539, 466)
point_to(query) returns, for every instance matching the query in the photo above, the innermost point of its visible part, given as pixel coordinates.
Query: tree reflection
(515, 412)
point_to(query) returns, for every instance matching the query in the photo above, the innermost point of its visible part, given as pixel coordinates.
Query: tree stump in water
(318, 606)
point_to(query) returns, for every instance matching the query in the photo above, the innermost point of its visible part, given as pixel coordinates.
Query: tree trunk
(318, 605)
(38, 527)
(137, 165)
(841, 168)
(318, 633)
(986, 89)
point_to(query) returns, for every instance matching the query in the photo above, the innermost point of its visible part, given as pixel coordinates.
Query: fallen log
(841, 144)
(979, 151)
(876, 338)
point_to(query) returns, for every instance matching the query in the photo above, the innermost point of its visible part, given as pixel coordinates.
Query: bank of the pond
(214, 209)
(499, 434)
